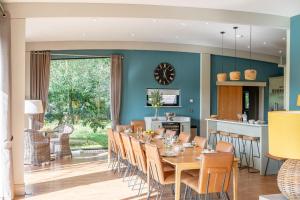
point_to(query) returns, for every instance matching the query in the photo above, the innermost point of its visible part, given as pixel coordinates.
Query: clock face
(164, 73)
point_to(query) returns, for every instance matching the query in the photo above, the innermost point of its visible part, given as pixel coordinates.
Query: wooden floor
(86, 176)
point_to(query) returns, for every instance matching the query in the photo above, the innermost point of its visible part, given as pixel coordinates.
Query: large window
(79, 94)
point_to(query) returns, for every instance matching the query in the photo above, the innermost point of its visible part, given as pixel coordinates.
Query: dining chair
(183, 137)
(160, 177)
(214, 176)
(200, 141)
(122, 158)
(131, 162)
(138, 124)
(113, 149)
(122, 128)
(159, 131)
(224, 147)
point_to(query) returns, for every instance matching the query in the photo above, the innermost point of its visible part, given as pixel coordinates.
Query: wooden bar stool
(269, 156)
(224, 136)
(251, 139)
(236, 140)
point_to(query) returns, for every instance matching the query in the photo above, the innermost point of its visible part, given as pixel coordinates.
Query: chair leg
(267, 166)
(185, 191)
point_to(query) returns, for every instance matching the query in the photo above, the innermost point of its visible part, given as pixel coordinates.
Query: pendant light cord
(222, 33)
(250, 46)
(235, 28)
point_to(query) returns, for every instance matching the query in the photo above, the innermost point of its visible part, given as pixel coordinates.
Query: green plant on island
(156, 101)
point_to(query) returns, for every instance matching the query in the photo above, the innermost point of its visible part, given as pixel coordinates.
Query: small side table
(272, 197)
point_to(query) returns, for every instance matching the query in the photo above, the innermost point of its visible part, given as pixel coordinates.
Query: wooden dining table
(187, 160)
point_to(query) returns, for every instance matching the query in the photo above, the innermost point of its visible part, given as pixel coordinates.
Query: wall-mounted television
(170, 97)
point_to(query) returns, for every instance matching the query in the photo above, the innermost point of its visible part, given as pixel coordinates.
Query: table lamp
(284, 141)
(33, 107)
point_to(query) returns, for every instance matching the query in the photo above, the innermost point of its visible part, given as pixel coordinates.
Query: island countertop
(237, 122)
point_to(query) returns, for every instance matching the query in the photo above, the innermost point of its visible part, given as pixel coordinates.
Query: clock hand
(165, 74)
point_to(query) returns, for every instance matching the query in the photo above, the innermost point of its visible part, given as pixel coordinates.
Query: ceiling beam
(155, 46)
(32, 10)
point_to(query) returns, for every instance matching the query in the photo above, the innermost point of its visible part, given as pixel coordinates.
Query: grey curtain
(39, 81)
(115, 89)
(6, 172)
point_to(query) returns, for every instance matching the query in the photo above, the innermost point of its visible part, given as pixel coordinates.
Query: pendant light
(222, 76)
(250, 74)
(235, 75)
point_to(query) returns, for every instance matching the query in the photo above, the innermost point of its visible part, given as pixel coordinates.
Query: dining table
(187, 160)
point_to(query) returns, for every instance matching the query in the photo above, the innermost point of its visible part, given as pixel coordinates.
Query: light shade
(33, 107)
(284, 134)
(298, 100)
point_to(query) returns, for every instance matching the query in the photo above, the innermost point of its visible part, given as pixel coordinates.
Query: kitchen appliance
(174, 126)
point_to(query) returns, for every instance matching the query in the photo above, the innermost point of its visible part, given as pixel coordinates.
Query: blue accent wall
(295, 62)
(264, 71)
(138, 67)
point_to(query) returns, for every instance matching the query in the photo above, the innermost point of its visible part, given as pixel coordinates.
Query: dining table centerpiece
(149, 134)
(156, 102)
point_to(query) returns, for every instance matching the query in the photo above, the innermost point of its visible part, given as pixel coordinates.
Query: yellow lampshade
(298, 100)
(284, 134)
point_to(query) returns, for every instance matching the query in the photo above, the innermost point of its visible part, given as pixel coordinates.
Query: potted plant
(156, 101)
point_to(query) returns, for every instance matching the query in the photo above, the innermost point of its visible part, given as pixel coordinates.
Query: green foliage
(156, 99)
(79, 92)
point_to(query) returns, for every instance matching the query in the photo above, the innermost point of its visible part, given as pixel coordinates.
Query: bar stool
(236, 140)
(214, 134)
(278, 159)
(251, 139)
(224, 136)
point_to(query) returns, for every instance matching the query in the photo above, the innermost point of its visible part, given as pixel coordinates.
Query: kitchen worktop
(236, 122)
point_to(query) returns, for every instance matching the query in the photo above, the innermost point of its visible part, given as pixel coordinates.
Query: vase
(156, 114)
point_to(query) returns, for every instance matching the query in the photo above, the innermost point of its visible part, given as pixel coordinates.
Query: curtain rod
(2, 10)
(80, 55)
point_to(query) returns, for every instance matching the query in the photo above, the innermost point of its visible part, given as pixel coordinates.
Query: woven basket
(235, 75)
(288, 179)
(221, 77)
(250, 74)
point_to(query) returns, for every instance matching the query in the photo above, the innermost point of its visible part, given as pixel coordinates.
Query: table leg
(177, 182)
(235, 180)
(148, 180)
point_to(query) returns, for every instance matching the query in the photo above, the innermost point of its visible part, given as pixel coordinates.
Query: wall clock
(164, 73)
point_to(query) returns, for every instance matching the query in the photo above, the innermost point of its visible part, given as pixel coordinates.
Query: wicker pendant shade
(222, 76)
(235, 75)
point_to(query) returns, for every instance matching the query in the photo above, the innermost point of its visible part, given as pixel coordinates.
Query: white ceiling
(265, 40)
(275, 7)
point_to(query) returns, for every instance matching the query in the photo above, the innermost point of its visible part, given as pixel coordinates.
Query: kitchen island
(254, 130)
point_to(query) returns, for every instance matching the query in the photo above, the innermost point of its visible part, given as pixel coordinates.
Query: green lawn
(83, 137)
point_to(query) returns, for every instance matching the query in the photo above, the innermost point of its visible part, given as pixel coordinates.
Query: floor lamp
(33, 107)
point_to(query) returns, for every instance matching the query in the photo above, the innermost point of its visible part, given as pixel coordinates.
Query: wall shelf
(242, 83)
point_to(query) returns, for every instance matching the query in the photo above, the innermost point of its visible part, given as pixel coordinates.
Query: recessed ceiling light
(265, 43)
(239, 36)
(248, 46)
(132, 34)
(283, 38)
(280, 51)
(183, 24)
(176, 36)
(206, 23)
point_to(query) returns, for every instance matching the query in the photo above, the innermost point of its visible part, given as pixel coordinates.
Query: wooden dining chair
(112, 148)
(122, 159)
(183, 137)
(159, 131)
(214, 176)
(224, 147)
(131, 162)
(138, 124)
(122, 128)
(161, 177)
(200, 141)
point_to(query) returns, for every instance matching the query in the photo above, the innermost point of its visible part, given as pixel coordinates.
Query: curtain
(6, 180)
(39, 82)
(115, 89)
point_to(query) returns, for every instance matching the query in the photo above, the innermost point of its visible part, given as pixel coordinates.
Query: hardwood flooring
(87, 176)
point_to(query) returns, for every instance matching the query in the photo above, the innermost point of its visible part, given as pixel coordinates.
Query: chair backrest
(215, 172)
(170, 133)
(122, 128)
(138, 124)
(111, 140)
(224, 147)
(33, 137)
(128, 148)
(120, 145)
(64, 129)
(139, 153)
(160, 131)
(200, 141)
(183, 137)
(154, 162)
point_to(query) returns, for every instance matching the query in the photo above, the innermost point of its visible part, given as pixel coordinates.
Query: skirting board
(19, 189)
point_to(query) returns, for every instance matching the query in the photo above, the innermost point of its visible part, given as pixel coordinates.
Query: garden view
(79, 95)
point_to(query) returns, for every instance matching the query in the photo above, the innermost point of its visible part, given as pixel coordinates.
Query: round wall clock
(164, 73)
